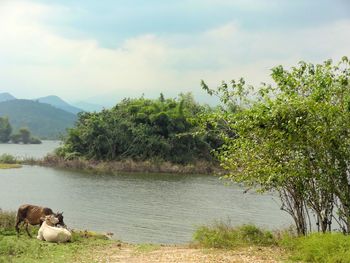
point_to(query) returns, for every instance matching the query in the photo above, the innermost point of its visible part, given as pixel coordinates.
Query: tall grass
(127, 165)
(8, 159)
(7, 221)
(222, 235)
(320, 248)
(317, 247)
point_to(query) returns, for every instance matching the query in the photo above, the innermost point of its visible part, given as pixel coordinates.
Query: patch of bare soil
(120, 253)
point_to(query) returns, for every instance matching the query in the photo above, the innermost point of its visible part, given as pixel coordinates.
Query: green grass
(320, 248)
(222, 235)
(317, 247)
(8, 161)
(9, 166)
(29, 250)
(145, 248)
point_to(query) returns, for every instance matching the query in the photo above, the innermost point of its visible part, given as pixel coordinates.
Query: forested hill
(59, 103)
(5, 96)
(43, 120)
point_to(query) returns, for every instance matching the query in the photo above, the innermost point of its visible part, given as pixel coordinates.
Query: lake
(137, 208)
(29, 150)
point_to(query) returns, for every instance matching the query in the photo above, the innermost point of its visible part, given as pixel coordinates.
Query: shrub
(7, 221)
(34, 140)
(222, 235)
(7, 158)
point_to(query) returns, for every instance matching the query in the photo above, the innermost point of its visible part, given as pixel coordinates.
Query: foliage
(139, 129)
(293, 138)
(5, 129)
(8, 159)
(35, 140)
(7, 221)
(325, 248)
(222, 235)
(24, 136)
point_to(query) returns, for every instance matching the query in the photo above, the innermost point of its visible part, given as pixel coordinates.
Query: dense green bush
(140, 129)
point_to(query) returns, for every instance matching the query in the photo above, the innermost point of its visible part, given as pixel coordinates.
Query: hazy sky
(104, 50)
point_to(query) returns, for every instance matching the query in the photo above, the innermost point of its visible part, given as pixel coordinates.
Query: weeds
(316, 247)
(112, 167)
(222, 235)
(8, 159)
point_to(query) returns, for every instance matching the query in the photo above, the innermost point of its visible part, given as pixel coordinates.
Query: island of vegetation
(22, 136)
(140, 135)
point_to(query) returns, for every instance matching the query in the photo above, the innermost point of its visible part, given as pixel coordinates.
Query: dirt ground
(183, 254)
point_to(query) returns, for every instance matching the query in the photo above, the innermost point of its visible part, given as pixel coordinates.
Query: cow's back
(33, 213)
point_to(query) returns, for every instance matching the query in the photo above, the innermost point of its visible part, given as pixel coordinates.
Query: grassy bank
(216, 243)
(113, 167)
(24, 249)
(8, 162)
(320, 248)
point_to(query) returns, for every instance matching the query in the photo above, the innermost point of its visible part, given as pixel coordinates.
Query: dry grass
(125, 166)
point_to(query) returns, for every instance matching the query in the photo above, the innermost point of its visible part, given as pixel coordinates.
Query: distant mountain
(59, 103)
(89, 107)
(43, 120)
(5, 96)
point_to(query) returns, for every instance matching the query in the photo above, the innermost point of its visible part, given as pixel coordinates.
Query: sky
(103, 51)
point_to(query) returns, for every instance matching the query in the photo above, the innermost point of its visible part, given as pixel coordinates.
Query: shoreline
(127, 166)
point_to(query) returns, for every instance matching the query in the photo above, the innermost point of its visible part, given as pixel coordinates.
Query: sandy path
(178, 254)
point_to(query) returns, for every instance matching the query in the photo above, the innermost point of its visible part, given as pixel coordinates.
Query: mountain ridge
(42, 119)
(59, 103)
(5, 96)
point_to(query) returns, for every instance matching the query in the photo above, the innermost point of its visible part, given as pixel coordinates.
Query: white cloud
(36, 61)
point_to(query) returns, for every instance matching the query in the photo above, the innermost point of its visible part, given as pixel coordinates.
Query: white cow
(50, 233)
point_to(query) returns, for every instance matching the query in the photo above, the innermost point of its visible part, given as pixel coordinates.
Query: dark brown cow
(32, 214)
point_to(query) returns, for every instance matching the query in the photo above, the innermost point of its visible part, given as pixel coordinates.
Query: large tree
(292, 138)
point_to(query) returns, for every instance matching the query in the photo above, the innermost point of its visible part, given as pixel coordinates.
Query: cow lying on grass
(50, 233)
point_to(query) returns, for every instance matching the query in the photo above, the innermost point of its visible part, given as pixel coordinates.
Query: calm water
(138, 207)
(29, 150)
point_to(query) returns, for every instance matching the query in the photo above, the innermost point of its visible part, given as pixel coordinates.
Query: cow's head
(59, 216)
